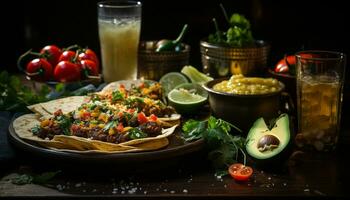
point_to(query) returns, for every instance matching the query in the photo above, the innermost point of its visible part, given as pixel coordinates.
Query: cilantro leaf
(238, 33)
(36, 129)
(109, 125)
(64, 123)
(117, 96)
(15, 96)
(22, 179)
(193, 129)
(37, 179)
(136, 133)
(225, 148)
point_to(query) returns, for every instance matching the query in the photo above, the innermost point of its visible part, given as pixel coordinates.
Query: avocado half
(270, 146)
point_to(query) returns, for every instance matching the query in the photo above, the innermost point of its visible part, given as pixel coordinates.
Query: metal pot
(220, 60)
(243, 110)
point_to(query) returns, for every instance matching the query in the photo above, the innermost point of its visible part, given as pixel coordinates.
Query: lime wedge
(187, 97)
(194, 75)
(172, 79)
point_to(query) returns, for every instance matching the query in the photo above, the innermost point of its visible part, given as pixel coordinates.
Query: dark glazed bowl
(243, 110)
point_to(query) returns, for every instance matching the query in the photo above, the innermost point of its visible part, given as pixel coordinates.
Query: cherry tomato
(66, 71)
(89, 67)
(240, 172)
(141, 118)
(88, 54)
(39, 69)
(283, 66)
(67, 56)
(52, 53)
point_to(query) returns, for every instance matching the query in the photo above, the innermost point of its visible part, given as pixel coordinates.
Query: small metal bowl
(243, 110)
(153, 65)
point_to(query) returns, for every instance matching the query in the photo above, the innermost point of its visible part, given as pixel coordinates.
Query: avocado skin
(278, 161)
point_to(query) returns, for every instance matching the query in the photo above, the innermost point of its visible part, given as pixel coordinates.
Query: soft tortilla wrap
(67, 104)
(24, 123)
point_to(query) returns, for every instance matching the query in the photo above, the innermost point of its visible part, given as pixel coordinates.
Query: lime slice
(187, 97)
(172, 79)
(183, 96)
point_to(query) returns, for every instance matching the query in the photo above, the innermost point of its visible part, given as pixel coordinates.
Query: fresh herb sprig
(224, 148)
(37, 179)
(15, 97)
(238, 34)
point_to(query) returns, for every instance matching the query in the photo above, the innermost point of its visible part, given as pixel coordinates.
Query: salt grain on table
(78, 185)
(185, 191)
(59, 187)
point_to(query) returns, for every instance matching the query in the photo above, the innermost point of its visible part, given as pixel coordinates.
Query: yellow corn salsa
(238, 84)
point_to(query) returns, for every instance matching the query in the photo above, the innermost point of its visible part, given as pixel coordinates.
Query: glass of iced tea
(320, 80)
(119, 24)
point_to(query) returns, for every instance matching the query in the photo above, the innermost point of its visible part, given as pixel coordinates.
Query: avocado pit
(268, 143)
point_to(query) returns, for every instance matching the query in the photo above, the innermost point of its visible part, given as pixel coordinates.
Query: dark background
(289, 26)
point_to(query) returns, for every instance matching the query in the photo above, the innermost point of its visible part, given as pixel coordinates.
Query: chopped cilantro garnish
(64, 123)
(136, 133)
(117, 96)
(36, 129)
(109, 125)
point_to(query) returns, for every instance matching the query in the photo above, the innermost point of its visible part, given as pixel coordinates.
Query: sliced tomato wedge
(153, 118)
(240, 172)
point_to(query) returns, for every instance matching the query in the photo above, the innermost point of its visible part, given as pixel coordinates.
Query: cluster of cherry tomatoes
(62, 65)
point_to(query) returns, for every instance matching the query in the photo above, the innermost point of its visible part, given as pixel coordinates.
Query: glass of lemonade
(119, 24)
(320, 80)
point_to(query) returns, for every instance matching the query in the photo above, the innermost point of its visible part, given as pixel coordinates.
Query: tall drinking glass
(119, 24)
(320, 80)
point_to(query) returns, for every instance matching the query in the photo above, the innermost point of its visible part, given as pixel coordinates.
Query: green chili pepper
(171, 45)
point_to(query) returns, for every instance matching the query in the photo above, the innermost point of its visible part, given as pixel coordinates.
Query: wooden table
(190, 176)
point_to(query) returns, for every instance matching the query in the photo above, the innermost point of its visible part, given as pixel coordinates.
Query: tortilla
(147, 146)
(173, 120)
(89, 144)
(67, 104)
(24, 123)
